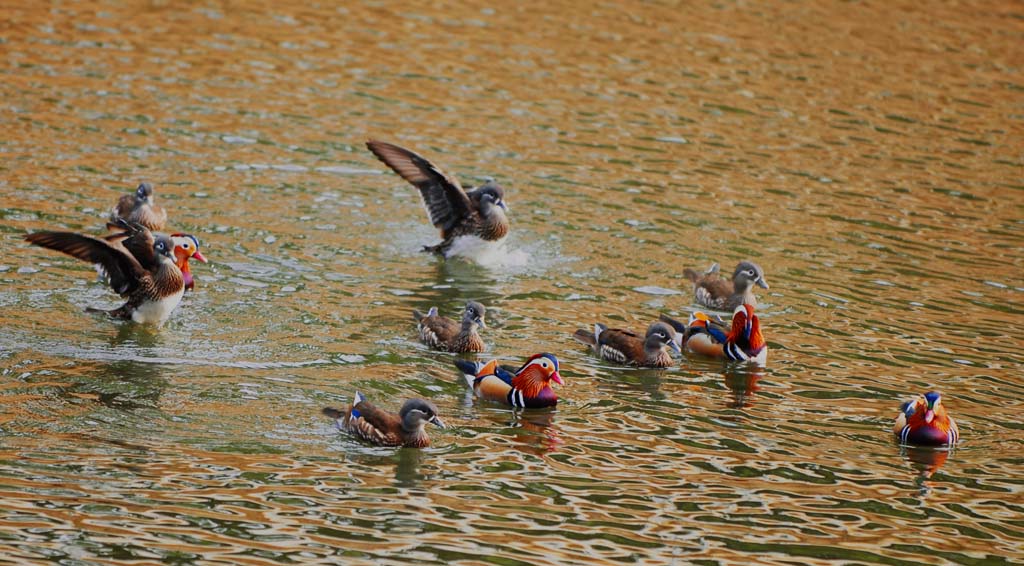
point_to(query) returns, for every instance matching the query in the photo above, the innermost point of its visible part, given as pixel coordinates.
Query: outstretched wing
(445, 200)
(139, 243)
(124, 270)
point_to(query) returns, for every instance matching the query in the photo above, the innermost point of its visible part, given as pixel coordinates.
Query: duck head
(186, 247)
(417, 413)
(474, 314)
(747, 275)
(660, 335)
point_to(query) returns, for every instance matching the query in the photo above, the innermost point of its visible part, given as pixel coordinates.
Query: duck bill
(199, 257)
(480, 322)
(437, 421)
(557, 378)
(929, 416)
(762, 283)
(674, 345)
(503, 206)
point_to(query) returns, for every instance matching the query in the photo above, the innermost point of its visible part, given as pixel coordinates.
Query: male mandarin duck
(743, 342)
(138, 207)
(626, 347)
(456, 212)
(711, 291)
(527, 387)
(445, 334)
(366, 422)
(186, 247)
(923, 421)
(141, 267)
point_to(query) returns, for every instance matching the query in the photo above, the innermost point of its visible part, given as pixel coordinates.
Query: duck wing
(446, 202)
(124, 270)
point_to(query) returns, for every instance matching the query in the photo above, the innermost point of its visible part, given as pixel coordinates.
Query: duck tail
(469, 369)
(675, 324)
(332, 413)
(585, 337)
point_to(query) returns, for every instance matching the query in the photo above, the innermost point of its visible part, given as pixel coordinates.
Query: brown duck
(456, 212)
(711, 291)
(445, 334)
(626, 347)
(366, 422)
(138, 207)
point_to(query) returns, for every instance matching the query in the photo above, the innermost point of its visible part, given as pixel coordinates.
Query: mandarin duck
(626, 347)
(444, 334)
(456, 212)
(711, 291)
(923, 421)
(186, 247)
(140, 266)
(366, 422)
(527, 387)
(742, 342)
(138, 207)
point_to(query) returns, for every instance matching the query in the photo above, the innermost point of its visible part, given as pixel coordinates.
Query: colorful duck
(186, 247)
(711, 291)
(366, 422)
(444, 334)
(923, 421)
(140, 265)
(456, 212)
(626, 347)
(527, 387)
(743, 342)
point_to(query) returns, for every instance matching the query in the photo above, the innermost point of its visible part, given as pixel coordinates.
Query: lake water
(867, 155)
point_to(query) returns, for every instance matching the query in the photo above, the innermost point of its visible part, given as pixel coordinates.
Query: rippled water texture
(867, 154)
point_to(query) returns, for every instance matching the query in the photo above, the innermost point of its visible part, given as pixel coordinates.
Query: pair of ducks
(147, 268)
(529, 387)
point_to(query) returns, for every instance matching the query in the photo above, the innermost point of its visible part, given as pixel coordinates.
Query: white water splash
(486, 253)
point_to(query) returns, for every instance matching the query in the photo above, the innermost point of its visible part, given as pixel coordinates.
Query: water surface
(867, 155)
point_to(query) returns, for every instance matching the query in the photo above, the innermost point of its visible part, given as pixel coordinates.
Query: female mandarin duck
(456, 212)
(186, 247)
(711, 291)
(141, 267)
(366, 422)
(447, 335)
(138, 207)
(527, 387)
(924, 422)
(625, 347)
(743, 342)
